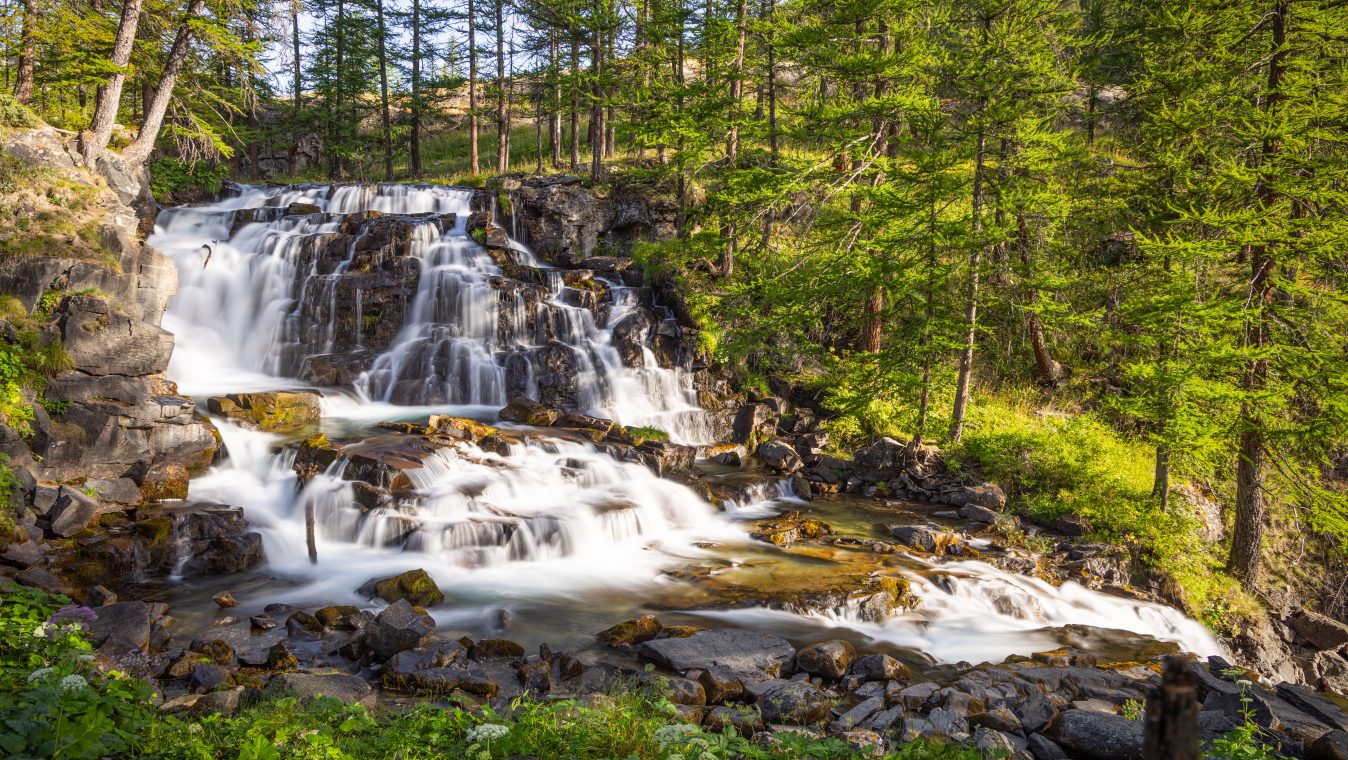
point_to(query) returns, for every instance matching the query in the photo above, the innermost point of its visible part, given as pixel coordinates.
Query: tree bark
(139, 150)
(23, 82)
(575, 102)
(966, 362)
(385, 117)
(473, 164)
(1171, 719)
(502, 147)
(95, 140)
(414, 168)
(555, 104)
(292, 155)
(1248, 531)
(597, 108)
(732, 147)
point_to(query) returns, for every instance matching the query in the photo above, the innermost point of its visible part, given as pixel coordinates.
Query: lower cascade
(403, 303)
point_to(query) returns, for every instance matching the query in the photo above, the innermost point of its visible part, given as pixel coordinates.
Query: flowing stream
(551, 533)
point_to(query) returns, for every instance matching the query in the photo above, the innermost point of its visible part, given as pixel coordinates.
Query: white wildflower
(39, 674)
(74, 682)
(487, 732)
(675, 734)
(40, 632)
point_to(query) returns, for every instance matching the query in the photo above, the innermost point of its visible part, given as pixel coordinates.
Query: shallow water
(555, 540)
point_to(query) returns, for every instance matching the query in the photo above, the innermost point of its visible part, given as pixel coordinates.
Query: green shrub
(643, 434)
(54, 702)
(171, 179)
(15, 115)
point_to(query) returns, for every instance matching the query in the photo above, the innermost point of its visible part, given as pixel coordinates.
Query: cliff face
(109, 424)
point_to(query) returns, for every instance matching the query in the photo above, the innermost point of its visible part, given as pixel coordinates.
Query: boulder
(273, 411)
(416, 586)
(458, 427)
(102, 340)
(1331, 746)
(788, 529)
(344, 687)
(743, 720)
(398, 628)
(1317, 706)
(629, 337)
(986, 495)
(529, 412)
(881, 461)
(720, 686)
(1321, 631)
(978, 514)
(881, 667)
(779, 457)
(1099, 736)
(631, 632)
(744, 653)
(827, 659)
(794, 703)
(72, 512)
(754, 424)
(924, 538)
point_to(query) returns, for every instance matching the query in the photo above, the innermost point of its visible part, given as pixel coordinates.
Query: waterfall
(380, 292)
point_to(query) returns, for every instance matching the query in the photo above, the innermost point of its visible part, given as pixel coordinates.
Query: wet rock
(219, 650)
(631, 632)
(344, 687)
(1098, 736)
(280, 658)
(924, 538)
(1035, 710)
(302, 209)
(458, 427)
(488, 649)
(165, 481)
(779, 457)
(416, 586)
(728, 454)
(303, 625)
(528, 412)
(789, 528)
(535, 676)
(629, 337)
(793, 703)
(334, 616)
(398, 628)
(827, 659)
(754, 425)
(663, 458)
(38, 578)
(130, 624)
(1321, 631)
(207, 676)
(915, 697)
(262, 622)
(738, 651)
(273, 411)
(225, 599)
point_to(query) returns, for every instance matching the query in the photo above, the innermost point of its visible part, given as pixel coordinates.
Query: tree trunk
(966, 365)
(732, 146)
(875, 304)
(555, 104)
(597, 108)
(297, 103)
(928, 314)
(384, 115)
(575, 103)
(23, 82)
(95, 140)
(414, 120)
(1248, 532)
(336, 117)
(1171, 720)
(138, 151)
(502, 148)
(473, 166)
(1050, 372)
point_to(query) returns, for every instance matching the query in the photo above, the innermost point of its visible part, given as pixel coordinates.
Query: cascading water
(381, 289)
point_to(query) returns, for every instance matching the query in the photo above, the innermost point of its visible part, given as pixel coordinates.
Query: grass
(1054, 464)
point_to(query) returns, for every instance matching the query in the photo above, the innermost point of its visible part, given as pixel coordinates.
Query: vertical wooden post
(1172, 714)
(309, 532)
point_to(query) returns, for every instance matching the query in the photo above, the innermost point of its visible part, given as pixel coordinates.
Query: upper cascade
(413, 295)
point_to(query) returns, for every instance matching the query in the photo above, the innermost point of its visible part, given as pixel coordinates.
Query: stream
(551, 539)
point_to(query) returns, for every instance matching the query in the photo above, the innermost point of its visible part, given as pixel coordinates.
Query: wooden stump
(1172, 714)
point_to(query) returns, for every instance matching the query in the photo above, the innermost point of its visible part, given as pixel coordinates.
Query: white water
(552, 519)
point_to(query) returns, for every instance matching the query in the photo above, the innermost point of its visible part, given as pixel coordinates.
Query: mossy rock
(416, 586)
(272, 411)
(156, 532)
(458, 427)
(632, 632)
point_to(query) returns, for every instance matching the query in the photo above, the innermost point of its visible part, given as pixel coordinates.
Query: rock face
(110, 415)
(560, 218)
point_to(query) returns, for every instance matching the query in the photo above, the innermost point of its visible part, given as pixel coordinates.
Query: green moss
(641, 435)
